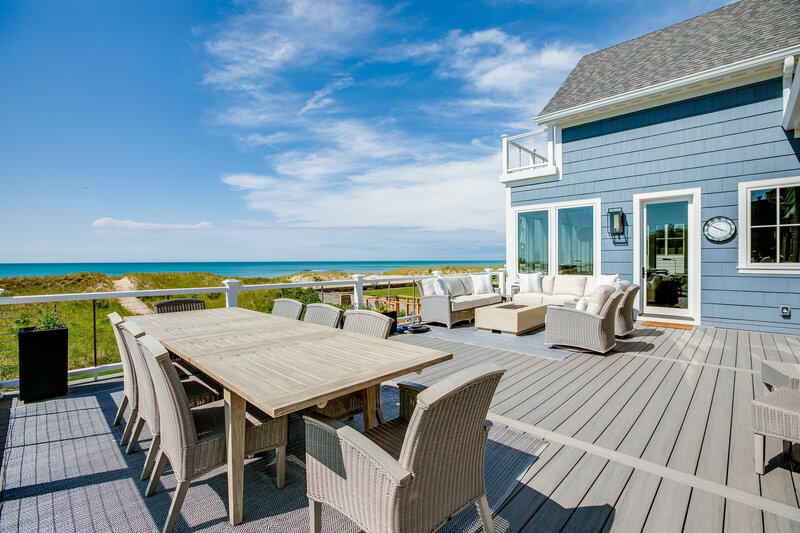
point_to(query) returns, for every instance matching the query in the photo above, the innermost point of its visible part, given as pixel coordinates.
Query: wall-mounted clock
(719, 229)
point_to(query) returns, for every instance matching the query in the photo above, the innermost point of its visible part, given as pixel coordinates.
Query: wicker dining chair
(414, 472)
(198, 394)
(624, 319)
(566, 326)
(193, 440)
(288, 308)
(323, 314)
(367, 323)
(129, 389)
(179, 304)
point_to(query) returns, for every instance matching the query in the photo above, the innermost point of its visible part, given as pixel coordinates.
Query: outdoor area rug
(65, 471)
(531, 343)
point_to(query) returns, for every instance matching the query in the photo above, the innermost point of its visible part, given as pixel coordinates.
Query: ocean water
(267, 269)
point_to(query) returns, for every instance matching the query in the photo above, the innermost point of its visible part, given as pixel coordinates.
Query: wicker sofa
(458, 305)
(560, 289)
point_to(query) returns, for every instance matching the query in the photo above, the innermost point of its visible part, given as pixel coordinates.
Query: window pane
(790, 201)
(763, 207)
(576, 240)
(790, 244)
(533, 248)
(762, 245)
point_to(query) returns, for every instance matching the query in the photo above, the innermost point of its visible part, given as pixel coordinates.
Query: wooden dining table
(281, 366)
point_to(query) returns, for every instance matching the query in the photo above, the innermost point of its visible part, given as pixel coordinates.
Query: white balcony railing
(231, 289)
(528, 155)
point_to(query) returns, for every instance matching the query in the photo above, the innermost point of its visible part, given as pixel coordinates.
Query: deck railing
(231, 288)
(527, 151)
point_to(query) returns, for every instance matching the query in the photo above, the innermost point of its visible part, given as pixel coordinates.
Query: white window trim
(745, 266)
(512, 233)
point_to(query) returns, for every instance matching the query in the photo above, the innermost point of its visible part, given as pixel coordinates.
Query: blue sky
(289, 130)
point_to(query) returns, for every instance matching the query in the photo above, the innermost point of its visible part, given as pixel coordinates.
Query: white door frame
(693, 234)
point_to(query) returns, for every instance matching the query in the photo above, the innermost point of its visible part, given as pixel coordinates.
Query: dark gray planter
(42, 363)
(393, 315)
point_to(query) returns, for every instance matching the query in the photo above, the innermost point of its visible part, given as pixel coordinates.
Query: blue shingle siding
(728, 137)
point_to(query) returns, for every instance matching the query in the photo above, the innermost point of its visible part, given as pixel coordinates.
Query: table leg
(368, 402)
(234, 433)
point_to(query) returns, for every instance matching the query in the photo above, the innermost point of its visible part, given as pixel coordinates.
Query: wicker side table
(775, 415)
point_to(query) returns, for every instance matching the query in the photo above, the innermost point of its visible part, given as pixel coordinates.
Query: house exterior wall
(712, 142)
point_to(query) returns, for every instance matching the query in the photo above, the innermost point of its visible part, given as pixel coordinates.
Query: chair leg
(126, 434)
(175, 507)
(379, 414)
(759, 446)
(314, 516)
(135, 435)
(156, 475)
(280, 466)
(151, 457)
(486, 514)
(121, 410)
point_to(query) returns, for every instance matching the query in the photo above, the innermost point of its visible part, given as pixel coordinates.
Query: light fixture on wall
(616, 222)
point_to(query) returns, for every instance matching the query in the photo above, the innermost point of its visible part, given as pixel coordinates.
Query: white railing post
(505, 153)
(437, 272)
(358, 291)
(231, 292)
(501, 275)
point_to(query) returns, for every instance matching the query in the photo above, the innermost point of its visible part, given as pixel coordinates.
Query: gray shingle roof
(732, 33)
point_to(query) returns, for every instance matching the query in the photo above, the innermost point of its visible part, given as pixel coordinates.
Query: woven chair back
(288, 308)
(148, 408)
(128, 374)
(180, 304)
(323, 314)
(367, 323)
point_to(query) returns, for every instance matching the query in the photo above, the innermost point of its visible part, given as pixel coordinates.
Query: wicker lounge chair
(367, 323)
(194, 439)
(323, 314)
(624, 322)
(198, 393)
(179, 304)
(570, 327)
(286, 307)
(414, 472)
(777, 414)
(131, 394)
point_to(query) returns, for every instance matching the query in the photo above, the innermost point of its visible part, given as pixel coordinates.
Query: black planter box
(393, 316)
(42, 363)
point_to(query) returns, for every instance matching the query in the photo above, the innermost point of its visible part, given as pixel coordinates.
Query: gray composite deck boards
(678, 399)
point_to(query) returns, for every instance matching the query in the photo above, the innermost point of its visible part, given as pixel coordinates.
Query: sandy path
(134, 305)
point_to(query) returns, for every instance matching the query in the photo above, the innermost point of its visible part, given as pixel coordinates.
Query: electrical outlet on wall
(786, 310)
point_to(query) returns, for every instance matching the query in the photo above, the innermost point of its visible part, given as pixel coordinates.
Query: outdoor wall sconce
(616, 222)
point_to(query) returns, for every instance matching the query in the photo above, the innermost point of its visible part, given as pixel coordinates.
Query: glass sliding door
(666, 262)
(576, 240)
(533, 244)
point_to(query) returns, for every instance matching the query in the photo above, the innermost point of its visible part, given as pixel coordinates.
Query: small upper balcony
(528, 156)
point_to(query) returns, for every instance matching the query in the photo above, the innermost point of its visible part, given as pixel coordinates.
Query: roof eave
(597, 106)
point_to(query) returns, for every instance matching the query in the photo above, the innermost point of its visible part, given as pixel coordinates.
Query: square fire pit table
(510, 318)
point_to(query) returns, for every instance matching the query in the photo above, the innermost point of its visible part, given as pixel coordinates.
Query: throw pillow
(582, 304)
(440, 287)
(599, 298)
(482, 283)
(530, 282)
(603, 280)
(622, 284)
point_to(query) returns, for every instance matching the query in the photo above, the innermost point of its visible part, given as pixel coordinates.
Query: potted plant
(385, 310)
(43, 351)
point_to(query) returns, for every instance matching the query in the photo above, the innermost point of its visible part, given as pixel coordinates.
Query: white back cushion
(599, 298)
(454, 286)
(547, 284)
(440, 287)
(482, 283)
(569, 284)
(530, 282)
(428, 287)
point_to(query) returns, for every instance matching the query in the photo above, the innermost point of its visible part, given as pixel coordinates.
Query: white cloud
(320, 98)
(256, 139)
(248, 181)
(108, 222)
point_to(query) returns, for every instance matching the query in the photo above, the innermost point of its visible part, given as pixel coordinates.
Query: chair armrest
(408, 398)
(322, 431)
(558, 312)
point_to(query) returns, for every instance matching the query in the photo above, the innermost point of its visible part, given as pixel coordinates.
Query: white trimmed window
(769, 236)
(559, 238)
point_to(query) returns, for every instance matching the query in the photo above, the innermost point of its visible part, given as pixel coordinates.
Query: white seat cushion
(528, 298)
(567, 284)
(471, 301)
(599, 298)
(558, 299)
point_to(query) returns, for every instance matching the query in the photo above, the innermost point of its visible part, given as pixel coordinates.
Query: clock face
(719, 229)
